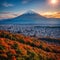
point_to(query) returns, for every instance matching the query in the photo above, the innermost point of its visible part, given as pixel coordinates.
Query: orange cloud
(52, 14)
(6, 15)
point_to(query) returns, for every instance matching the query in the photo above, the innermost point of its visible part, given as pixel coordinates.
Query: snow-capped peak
(30, 12)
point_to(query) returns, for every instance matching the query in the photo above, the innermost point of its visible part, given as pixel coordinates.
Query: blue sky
(20, 6)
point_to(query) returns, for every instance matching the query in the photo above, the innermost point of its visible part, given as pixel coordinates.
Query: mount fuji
(30, 17)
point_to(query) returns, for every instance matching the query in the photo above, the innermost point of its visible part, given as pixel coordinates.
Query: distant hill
(30, 17)
(20, 47)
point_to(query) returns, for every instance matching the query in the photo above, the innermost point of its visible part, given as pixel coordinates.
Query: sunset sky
(13, 8)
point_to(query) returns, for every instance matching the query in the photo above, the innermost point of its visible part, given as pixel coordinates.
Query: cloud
(7, 15)
(52, 14)
(57, 15)
(5, 4)
(25, 1)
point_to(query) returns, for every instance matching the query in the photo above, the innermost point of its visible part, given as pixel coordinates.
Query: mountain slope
(20, 47)
(30, 18)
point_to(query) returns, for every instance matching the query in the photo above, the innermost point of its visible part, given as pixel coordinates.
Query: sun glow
(53, 1)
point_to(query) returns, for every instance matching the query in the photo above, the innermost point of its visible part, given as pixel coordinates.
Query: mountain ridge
(30, 17)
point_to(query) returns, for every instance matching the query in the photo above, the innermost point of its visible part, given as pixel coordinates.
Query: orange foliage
(13, 58)
(4, 55)
(33, 46)
(12, 51)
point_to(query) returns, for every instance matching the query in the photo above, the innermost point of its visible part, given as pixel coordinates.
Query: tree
(1, 47)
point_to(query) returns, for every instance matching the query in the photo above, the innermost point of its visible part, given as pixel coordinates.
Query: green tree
(1, 47)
